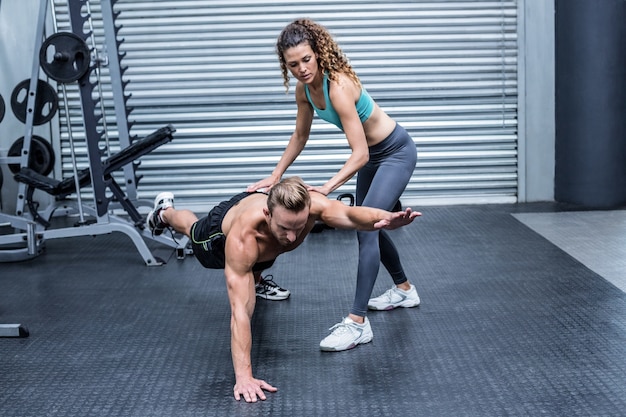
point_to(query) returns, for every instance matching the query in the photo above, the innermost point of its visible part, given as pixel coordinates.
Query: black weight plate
(2, 108)
(40, 157)
(65, 57)
(46, 102)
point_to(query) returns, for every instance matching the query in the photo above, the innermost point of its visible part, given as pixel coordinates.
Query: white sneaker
(153, 221)
(395, 297)
(346, 335)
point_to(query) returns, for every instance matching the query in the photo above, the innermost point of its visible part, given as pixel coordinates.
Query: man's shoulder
(319, 202)
(246, 214)
(254, 201)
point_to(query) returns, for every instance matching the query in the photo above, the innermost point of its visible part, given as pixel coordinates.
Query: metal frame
(30, 236)
(30, 103)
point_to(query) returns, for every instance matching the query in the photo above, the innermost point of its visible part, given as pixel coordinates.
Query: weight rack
(33, 233)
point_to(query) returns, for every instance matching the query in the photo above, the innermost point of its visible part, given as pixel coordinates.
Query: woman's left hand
(322, 190)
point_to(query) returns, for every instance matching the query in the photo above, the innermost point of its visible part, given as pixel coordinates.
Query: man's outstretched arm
(397, 219)
(336, 214)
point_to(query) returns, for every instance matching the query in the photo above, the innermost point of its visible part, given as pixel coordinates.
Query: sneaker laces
(169, 229)
(340, 328)
(267, 282)
(387, 295)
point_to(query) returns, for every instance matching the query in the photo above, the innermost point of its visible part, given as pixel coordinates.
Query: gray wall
(590, 168)
(536, 100)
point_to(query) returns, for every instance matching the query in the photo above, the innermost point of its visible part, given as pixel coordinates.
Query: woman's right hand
(264, 185)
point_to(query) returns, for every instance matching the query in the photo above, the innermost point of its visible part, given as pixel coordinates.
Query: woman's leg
(380, 185)
(390, 258)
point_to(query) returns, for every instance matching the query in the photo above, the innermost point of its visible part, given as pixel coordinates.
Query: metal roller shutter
(445, 70)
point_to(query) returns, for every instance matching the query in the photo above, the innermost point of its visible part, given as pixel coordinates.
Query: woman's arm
(299, 138)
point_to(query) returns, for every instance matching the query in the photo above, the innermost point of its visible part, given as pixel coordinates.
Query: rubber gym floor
(512, 323)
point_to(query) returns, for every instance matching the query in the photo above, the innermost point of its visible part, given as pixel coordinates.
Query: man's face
(287, 225)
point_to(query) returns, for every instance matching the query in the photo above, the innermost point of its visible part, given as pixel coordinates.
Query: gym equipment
(13, 330)
(2, 108)
(46, 102)
(103, 60)
(61, 189)
(77, 184)
(33, 226)
(30, 109)
(116, 71)
(348, 196)
(64, 57)
(40, 156)
(37, 230)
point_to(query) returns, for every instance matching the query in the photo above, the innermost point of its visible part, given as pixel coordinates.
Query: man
(246, 234)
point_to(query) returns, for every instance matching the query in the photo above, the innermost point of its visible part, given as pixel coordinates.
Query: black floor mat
(509, 325)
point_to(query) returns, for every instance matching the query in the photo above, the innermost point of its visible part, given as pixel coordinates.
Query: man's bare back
(248, 218)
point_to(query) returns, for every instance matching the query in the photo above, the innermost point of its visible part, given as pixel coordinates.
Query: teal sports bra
(364, 107)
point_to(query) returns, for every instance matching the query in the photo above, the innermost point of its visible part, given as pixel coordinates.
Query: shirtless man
(246, 234)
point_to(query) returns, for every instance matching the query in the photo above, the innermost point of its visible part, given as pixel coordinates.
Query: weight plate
(40, 157)
(65, 57)
(46, 102)
(2, 108)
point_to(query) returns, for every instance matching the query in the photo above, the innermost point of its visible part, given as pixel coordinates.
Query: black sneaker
(267, 289)
(154, 222)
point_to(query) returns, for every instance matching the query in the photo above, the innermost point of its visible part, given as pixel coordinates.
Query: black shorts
(208, 240)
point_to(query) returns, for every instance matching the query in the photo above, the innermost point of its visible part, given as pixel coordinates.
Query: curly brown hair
(330, 57)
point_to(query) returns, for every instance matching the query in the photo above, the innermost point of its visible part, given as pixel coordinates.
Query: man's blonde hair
(290, 193)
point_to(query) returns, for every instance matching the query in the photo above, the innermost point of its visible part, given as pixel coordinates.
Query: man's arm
(241, 254)
(336, 214)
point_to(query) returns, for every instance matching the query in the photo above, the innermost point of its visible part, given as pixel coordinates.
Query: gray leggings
(380, 183)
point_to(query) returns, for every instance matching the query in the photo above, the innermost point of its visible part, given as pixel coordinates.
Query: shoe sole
(392, 307)
(272, 297)
(352, 346)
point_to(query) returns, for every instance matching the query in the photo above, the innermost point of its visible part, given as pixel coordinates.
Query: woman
(383, 155)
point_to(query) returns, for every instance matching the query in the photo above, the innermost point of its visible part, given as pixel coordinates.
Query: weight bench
(60, 189)
(37, 229)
